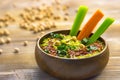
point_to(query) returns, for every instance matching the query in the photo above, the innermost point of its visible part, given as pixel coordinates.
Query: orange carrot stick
(90, 25)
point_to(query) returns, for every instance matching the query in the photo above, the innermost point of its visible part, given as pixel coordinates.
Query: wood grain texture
(22, 66)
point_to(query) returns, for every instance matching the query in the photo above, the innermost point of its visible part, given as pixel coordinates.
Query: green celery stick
(107, 22)
(78, 20)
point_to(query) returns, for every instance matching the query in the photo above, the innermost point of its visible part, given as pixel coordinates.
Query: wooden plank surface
(22, 66)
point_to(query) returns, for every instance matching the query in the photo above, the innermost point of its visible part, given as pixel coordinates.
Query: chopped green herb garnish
(47, 51)
(68, 46)
(84, 41)
(53, 35)
(90, 48)
(61, 53)
(62, 47)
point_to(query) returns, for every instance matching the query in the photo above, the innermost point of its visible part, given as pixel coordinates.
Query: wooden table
(22, 66)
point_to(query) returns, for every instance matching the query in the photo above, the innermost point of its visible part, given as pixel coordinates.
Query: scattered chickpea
(27, 9)
(58, 7)
(25, 43)
(65, 7)
(57, 17)
(8, 40)
(38, 17)
(6, 32)
(66, 13)
(6, 24)
(53, 25)
(2, 41)
(16, 50)
(1, 24)
(42, 32)
(1, 32)
(65, 18)
(35, 30)
(3, 19)
(24, 26)
(39, 29)
(42, 28)
(1, 51)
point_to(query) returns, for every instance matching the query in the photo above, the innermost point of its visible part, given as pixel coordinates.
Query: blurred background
(109, 8)
(20, 26)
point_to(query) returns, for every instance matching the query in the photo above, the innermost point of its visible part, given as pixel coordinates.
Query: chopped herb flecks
(69, 47)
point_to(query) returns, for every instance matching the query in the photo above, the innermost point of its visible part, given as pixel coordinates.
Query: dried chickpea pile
(34, 19)
(4, 33)
(6, 20)
(37, 19)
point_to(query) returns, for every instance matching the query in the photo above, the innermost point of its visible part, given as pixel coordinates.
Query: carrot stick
(90, 25)
(78, 20)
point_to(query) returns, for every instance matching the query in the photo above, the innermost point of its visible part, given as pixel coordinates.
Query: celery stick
(107, 22)
(78, 20)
